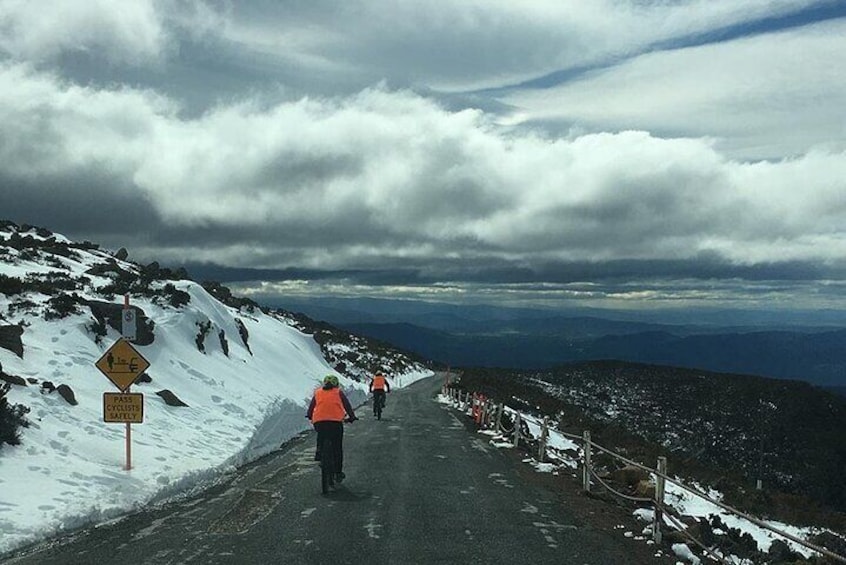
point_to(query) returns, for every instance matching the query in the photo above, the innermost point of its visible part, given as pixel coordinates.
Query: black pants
(379, 396)
(334, 431)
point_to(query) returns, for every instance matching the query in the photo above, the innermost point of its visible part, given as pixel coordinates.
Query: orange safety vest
(379, 383)
(328, 406)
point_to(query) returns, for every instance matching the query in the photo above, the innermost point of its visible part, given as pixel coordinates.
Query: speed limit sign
(128, 327)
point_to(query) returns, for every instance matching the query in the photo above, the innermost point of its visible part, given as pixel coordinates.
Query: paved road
(420, 489)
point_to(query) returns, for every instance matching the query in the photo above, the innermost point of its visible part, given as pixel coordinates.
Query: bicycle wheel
(327, 466)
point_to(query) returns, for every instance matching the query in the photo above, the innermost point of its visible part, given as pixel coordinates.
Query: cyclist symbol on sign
(131, 365)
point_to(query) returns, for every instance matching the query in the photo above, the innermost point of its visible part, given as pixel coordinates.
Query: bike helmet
(330, 380)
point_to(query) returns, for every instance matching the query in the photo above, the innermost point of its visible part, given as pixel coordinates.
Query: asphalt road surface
(420, 489)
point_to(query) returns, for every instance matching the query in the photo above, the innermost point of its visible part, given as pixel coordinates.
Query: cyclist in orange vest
(327, 411)
(379, 386)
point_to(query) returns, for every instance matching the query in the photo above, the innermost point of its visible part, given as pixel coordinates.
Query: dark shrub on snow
(12, 418)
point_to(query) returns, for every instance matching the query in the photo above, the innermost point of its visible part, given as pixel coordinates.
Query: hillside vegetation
(727, 429)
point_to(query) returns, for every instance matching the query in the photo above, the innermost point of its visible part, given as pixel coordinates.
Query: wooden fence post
(498, 425)
(517, 429)
(587, 464)
(543, 439)
(659, 500)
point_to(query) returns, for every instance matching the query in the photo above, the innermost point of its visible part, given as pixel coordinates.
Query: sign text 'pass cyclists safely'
(122, 364)
(123, 407)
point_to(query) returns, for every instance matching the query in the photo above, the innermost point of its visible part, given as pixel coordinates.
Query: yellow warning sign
(122, 364)
(127, 407)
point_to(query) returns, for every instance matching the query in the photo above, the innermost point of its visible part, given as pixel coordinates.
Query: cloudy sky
(613, 152)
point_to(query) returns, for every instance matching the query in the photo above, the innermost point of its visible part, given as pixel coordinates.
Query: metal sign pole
(128, 425)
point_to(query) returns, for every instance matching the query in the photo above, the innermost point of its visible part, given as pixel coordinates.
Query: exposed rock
(245, 335)
(47, 387)
(629, 475)
(170, 398)
(66, 392)
(645, 489)
(12, 379)
(224, 344)
(143, 378)
(102, 269)
(122, 254)
(32, 380)
(112, 314)
(10, 338)
(200, 340)
(175, 297)
(152, 270)
(224, 294)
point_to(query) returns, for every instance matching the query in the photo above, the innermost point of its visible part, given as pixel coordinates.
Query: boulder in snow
(66, 392)
(10, 338)
(12, 379)
(170, 398)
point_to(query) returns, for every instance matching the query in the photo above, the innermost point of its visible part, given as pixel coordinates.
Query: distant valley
(793, 347)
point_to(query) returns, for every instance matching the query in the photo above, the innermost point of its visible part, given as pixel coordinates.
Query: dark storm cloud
(87, 205)
(496, 271)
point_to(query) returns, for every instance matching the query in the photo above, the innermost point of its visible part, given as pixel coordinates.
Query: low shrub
(12, 418)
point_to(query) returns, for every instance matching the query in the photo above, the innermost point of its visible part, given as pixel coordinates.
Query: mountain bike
(378, 403)
(328, 476)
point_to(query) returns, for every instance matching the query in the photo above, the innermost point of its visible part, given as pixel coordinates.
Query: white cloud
(763, 97)
(388, 175)
(53, 127)
(129, 31)
(457, 46)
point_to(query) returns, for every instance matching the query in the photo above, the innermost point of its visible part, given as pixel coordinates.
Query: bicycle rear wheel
(327, 466)
(377, 407)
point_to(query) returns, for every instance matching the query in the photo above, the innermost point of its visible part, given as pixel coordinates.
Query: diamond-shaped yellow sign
(122, 364)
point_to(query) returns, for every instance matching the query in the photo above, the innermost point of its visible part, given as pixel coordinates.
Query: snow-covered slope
(245, 393)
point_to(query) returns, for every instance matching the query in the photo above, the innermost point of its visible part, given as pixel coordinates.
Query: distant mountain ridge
(818, 358)
(488, 336)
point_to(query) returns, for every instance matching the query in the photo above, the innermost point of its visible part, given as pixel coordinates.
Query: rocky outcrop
(629, 475)
(200, 340)
(224, 343)
(245, 335)
(111, 313)
(66, 392)
(170, 398)
(10, 338)
(12, 379)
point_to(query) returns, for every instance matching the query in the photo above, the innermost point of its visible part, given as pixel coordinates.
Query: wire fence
(482, 410)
